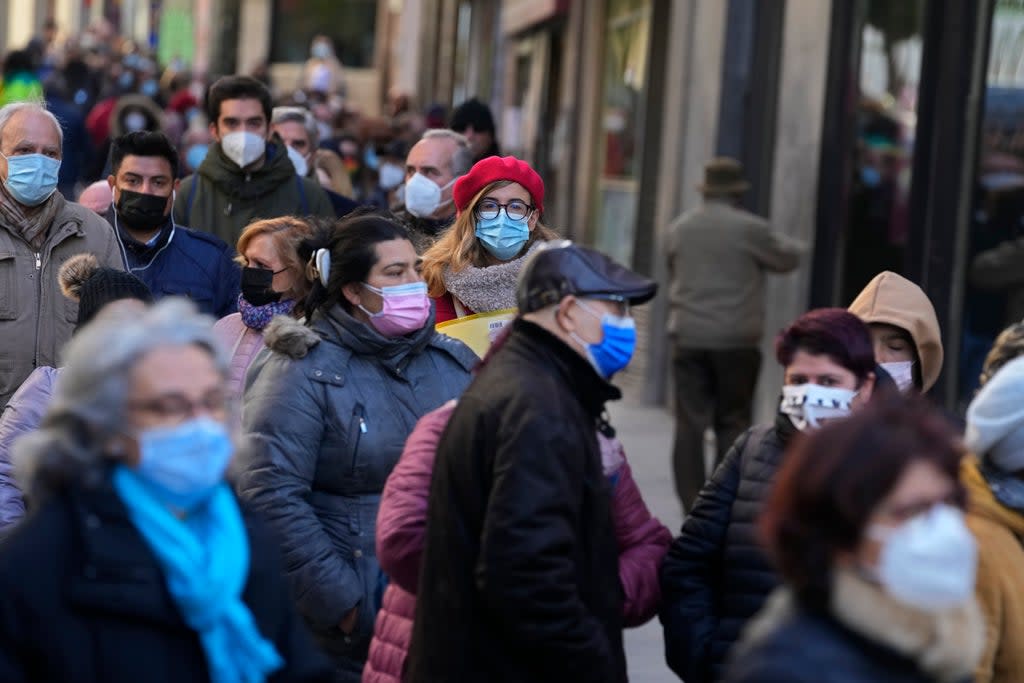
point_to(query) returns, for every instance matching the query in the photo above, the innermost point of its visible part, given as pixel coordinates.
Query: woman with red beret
(473, 268)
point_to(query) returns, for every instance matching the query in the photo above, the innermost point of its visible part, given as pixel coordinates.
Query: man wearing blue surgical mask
(39, 230)
(431, 169)
(520, 552)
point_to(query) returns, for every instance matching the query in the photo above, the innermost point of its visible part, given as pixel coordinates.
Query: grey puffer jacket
(328, 410)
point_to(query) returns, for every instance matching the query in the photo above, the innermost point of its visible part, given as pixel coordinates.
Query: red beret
(493, 169)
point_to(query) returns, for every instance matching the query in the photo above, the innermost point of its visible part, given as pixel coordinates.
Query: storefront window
(994, 296)
(624, 89)
(350, 24)
(877, 221)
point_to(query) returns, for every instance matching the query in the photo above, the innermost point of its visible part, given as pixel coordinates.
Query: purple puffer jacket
(401, 527)
(23, 414)
(242, 343)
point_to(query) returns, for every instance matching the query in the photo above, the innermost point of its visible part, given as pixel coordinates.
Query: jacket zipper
(360, 415)
(39, 304)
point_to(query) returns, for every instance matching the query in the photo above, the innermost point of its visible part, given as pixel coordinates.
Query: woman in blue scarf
(138, 563)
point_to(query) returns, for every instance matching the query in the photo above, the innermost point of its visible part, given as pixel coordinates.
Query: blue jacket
(328, 409)
(183, 262)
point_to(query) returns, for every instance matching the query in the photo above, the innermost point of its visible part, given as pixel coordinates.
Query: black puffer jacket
(716, 575)
(519, 580)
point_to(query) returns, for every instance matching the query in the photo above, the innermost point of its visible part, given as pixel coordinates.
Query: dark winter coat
(329, 410)
(183, 262)
(861, 636)
(520, 575)
(716, 575)
(84, 599)
(222, 199)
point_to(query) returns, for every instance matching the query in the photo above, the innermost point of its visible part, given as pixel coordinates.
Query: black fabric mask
(256, 286)
(141, 211)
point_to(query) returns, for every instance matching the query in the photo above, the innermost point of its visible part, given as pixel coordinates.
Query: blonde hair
(458, 247)
(286, 233)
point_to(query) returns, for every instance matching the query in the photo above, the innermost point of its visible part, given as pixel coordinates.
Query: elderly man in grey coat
(39, 230)
(718, 255)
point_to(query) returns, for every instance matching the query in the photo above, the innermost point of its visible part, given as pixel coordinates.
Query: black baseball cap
(560, 268)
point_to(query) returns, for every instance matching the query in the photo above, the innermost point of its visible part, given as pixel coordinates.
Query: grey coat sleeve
(283, 418)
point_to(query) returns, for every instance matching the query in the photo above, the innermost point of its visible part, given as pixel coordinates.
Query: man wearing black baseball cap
(521, 562)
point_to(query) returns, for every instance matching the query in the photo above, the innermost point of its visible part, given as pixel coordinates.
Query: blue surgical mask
(195, 155)
(616, 348)
(370, 159)
(502, 236)
(870, 176)
(31, 178)
(184, 464)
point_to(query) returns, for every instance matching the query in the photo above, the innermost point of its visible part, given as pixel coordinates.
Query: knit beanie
(493, 169)
(995, 419)
(93, 286)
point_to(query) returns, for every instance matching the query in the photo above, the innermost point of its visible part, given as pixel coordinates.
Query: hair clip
(322, 258)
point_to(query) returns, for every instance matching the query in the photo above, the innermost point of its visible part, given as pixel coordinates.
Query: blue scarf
(205, 561)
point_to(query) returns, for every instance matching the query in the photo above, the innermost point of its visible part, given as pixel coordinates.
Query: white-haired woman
(138, 564)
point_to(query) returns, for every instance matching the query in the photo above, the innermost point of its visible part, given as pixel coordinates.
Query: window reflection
(994, 297)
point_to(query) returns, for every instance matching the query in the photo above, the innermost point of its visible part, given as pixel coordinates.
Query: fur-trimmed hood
(290, 337)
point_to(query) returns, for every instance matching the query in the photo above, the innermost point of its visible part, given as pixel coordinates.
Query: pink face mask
(406, 309)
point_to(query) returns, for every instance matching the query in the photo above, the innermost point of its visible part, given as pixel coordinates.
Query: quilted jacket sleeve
(283, 418)
(689, 574)
(23, 414)
(643, 542)
(402, 518)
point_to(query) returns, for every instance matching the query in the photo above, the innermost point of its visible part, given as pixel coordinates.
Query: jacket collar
(141, 252)
(276, 170)
(393, 353)
(592, 390)
(993, 494)
(944, 645)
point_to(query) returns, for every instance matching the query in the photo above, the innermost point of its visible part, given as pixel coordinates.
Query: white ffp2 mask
(243, 147)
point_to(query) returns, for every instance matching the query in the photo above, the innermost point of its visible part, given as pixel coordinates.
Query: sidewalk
(646, 432)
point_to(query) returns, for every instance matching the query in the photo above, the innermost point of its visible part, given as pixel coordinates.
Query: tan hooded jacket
(894, 300)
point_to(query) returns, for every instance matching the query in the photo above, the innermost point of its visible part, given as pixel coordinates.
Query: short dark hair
(833, 332)
(237, 88)
(352, 242)
(833, 479)
(143, 143)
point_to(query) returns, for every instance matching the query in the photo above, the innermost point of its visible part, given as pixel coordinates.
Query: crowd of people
(239, 443)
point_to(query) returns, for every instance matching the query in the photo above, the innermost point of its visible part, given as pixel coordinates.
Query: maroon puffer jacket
(401, 527)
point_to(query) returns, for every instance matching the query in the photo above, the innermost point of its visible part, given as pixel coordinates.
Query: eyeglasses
(516, 209)
(177, 408)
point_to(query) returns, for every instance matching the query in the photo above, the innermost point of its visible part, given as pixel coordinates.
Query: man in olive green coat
(247, 174)
(39, 231)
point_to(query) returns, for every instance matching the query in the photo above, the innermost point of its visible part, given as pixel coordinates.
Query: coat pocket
(356, 429)
(8, 286)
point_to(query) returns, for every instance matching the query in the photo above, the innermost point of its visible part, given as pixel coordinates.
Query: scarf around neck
(31, 223)
(258, 317)
(205, 563)
(491, 288)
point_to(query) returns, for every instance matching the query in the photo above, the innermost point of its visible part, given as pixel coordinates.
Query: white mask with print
(808, 404)
(902, 372)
